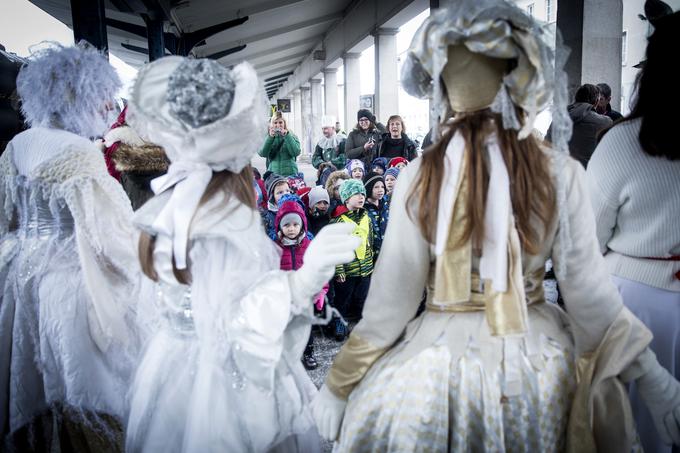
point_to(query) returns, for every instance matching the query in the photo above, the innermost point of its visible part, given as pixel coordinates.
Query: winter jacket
(409, 150)
(378, 215)
(315, 223)
(354, 146)
(587, 124)
(262, 204)
(330, 150)
(362, 266)
(281, 152)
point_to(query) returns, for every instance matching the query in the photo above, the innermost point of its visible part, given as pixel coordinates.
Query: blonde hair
(278, 116)
(531, 190)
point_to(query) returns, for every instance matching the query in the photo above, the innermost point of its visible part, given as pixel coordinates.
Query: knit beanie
(380, 162)
(316, 195)
(270, 183)
(291, 217)
(394, 171)
(397, 160)
(354, 163)
(370, 181)
(365, 113)
(351, 187)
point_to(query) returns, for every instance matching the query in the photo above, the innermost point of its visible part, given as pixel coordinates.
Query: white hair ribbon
(188, 181)
(497, 214)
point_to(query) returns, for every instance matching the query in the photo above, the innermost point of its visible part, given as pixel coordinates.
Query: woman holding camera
(364, 140)
(281, 148)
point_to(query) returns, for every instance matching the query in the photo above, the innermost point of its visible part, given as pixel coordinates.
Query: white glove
(328, 411)
(334, 245)
(661, 393)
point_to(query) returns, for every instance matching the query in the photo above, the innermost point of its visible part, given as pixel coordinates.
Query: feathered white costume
(69, 277)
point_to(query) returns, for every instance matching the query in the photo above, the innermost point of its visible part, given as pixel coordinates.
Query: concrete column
(315, 132)
(592, 30)
(352, 89)
(306, 115)
(330, 92)
(386, 80)
(297, 113)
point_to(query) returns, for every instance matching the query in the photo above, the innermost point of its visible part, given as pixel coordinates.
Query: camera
(278, 131)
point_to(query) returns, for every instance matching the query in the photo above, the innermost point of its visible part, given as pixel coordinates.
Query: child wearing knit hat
(376, 208)
(291, 233)
(355, 169)
(398, 162)
(318, 215)
(379, 165)
(276, 187)
(391, 176)
(353, 279)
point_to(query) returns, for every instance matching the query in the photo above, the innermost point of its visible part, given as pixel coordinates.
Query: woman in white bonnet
(223, 370)
(489, 365)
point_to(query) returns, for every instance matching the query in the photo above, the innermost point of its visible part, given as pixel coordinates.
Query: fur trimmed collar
(144, 158)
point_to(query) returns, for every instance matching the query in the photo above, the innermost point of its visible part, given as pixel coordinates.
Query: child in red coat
(291, 230)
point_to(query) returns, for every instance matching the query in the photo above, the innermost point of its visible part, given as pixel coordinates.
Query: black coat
(410, 151)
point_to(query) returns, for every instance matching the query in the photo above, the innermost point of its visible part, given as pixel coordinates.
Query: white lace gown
(68, 282)
(222, 372)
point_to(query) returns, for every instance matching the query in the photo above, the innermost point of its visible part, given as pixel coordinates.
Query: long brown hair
(223, 183)
(531, 190)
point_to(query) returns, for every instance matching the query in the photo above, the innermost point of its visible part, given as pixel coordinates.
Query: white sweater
(636, 200)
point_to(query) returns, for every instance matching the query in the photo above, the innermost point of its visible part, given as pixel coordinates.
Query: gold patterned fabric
(351, 365)
(458, 289)
(433, 402)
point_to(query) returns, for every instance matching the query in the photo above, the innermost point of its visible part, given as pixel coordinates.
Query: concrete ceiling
(275, 35)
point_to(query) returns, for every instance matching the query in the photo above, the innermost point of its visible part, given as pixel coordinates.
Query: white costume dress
(68, 280)
(223, 370)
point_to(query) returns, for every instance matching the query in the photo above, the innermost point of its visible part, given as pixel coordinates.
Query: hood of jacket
(333, 178)
(579, 111)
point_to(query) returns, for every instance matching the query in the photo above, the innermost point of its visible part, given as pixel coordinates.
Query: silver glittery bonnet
(536, 82)
(199, 111)
(208, 119)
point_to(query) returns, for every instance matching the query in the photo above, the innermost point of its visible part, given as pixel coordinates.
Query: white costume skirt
(450, 386)
(659, 310)
(49, 364)
(185, 399)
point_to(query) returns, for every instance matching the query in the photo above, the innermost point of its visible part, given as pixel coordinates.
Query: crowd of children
(293, 214)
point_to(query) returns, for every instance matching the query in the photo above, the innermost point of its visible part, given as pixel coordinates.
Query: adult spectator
(281, 147)
(396, 143)
(331, 147)
(604, 106)
(364, 140)
(633, 180)
(587, 123)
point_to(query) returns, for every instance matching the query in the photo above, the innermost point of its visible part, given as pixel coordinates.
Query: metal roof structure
(273, 35)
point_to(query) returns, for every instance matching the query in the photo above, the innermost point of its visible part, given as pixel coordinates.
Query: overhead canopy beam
(266, 53)
(287, 29)
(281, 76)
(276, 61)
(358, 23)
(183, 44)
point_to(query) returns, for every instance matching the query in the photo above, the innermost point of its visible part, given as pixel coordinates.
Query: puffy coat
(292, 256)
(281, 152)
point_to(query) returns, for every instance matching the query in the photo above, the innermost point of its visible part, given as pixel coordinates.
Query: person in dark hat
(363, 142)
